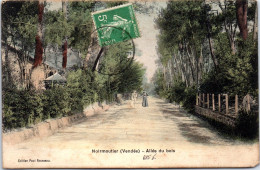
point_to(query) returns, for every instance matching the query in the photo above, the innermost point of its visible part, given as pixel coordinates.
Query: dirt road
(125, 136)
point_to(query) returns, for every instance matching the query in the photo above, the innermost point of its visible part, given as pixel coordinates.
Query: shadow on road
(192, 128)
(192, 135)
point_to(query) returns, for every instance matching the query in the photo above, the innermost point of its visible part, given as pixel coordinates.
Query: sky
(147, 42)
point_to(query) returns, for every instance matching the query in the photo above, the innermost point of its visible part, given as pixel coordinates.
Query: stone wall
(51, 126)
(219, 117)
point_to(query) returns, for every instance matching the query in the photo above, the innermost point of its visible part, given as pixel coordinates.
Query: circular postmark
(114, 58)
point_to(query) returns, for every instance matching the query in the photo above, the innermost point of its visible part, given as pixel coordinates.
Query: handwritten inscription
(149, 157)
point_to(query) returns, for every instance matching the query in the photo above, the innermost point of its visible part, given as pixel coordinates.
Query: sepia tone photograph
(130, 84)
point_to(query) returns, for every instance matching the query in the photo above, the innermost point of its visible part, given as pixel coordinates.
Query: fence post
(226, 103)
(208, 100)
(199, 99)
(236, 104)
(203, 95)
(197, 102)
(213, 103)
(219, 104)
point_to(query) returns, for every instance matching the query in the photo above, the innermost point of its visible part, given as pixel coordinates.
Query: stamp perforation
(112, 8)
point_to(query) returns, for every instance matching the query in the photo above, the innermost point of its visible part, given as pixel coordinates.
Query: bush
(247, 124)
(21, 108)
(189, 99)
(26, 107)
(9, 120)
(79, 86)
(34, 104)
(175, 93)
(183, 95)
(56, 102)
(10, 100)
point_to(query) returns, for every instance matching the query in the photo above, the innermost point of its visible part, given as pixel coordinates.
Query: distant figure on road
(145, 101)
(119, 99)
(133, 98)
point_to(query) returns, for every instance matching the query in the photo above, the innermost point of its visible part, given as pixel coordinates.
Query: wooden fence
(221, 103)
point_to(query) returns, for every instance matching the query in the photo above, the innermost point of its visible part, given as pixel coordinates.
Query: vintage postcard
(130, 84)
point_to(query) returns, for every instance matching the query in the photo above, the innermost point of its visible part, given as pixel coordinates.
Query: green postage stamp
(116, 24)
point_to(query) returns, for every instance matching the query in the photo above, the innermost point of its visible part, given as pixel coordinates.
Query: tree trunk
(65, 44)
(184, 72)
(39, 37)
(170, 66)
(93, 51)
(230, 38)
(215, 61)
(174, 70)
(200, 65)
(164, 78)
(96, 63)
(230, 33)
(8, 79)
(241, 11)
(191, 65)
(177, 71)
(64, 53)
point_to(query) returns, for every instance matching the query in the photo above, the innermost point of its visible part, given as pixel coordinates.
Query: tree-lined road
(159, 126)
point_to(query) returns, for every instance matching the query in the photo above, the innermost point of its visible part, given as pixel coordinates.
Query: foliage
(237, 73)
(131, 79)
(80, 89)
(19, 21)
(56, 102)
(56, 28)
(124, 73)
(185, 27)
(80, 18)
(188, 101)
(158, 83)
(113, 4)
(21, 108)
(24, 108)
(19, 26)
(247, 124)
(116, 58)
